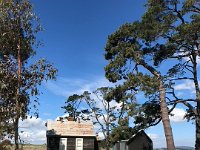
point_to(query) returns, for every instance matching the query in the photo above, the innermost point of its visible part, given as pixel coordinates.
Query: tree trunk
(197, 117)
(197, 142)
(107, 128)
(163, 107)
(16, 133)
(165, 119)
(16, 123)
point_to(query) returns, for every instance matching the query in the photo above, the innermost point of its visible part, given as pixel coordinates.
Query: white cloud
(153, 136)
(187, 58)
(68, 86)
(178, 115)
(186, 85)
(63, 116)
(115, 104)
(32, 130)
(198, 61)
(100, 135)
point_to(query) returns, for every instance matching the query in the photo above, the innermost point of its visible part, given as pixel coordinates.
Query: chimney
(70, 118)
(79, 120)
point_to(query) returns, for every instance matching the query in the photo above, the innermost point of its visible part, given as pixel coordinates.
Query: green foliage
(72, 106)
(98, 107)
(148, 115)
(122, 131)
(127, 54)
(31, 77)
(181, 42)
(18, 23)
(19, 79)
(168, 29)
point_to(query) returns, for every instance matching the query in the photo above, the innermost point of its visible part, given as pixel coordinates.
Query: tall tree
(129, 56)
(168, 30)
(18, 28)
(176, 30)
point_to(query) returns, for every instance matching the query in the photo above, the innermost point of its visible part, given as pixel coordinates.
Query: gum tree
(18, 29)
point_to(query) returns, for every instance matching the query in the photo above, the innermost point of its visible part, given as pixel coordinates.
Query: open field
(34, 147)
(29, 147)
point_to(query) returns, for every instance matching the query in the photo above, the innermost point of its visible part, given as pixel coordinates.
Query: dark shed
(70, 135)
(140, 141)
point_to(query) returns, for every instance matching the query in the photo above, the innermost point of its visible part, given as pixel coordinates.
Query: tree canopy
(168, 30)
(20, 79)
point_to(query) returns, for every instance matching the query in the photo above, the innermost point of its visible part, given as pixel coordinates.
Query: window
(79, 143)
(63, 144)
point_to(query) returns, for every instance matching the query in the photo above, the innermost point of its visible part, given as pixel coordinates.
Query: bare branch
(183, 78)
(178, 14)
(186, 67)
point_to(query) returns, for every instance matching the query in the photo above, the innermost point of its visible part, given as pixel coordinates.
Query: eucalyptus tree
(100, 106)
(18, 29)
(8, 79)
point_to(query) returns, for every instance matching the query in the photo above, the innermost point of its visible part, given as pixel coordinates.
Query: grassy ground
(34, 147)
(28, 147)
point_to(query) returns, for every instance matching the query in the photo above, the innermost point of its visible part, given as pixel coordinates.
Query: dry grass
(29, 147)
(34, 147)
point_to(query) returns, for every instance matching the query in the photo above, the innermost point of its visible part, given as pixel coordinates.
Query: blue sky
(74, 37)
